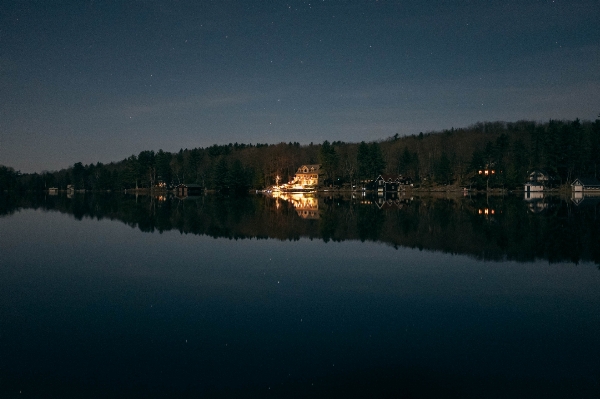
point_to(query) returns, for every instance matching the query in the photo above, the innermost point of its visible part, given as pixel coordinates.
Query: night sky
(97, 81)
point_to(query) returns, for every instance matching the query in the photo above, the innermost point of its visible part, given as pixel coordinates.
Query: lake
(299, 296)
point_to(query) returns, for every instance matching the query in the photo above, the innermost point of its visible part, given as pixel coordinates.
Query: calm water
(117, 297)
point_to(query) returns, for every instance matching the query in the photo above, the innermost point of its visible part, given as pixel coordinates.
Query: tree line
(565, 149)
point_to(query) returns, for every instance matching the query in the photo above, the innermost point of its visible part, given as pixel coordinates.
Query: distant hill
(563, 149)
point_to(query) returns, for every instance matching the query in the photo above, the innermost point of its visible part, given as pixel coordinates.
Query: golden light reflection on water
(306, 205)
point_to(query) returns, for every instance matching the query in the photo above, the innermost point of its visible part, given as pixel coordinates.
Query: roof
(587, 182)
(314, 167)
(539, 171)
(389, 178)
(539, 175)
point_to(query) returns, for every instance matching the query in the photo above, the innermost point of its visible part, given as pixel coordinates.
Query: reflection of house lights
(487, 211)
(305, 206)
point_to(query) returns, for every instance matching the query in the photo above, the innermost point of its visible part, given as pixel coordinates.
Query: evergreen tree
(328, 159)
(220, 175)
(163, 167)
(363, 160)
(443, 173)
(377, 163)
(147, 165)
(237, 177)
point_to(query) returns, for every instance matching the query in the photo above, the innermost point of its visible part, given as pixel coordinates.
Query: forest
(565, 149)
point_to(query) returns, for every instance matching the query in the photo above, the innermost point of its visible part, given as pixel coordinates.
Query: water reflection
(129, 314)
(587, 199)
(496, 228)
(306, 205)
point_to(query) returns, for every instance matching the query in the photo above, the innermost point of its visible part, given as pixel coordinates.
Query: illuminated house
(305, 179)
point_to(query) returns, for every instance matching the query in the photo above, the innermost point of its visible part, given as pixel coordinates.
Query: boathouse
(387, 183)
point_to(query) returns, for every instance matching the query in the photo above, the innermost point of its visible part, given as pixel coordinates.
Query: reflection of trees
(506, 230)
(369, 221)
(327, 226)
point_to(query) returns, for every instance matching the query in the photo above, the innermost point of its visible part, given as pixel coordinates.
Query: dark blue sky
(100, 80)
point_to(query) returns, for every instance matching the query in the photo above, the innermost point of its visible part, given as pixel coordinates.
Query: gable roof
(587, 182)
(539, 172)
(389, 178)
(309, 168)
(538, 175)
